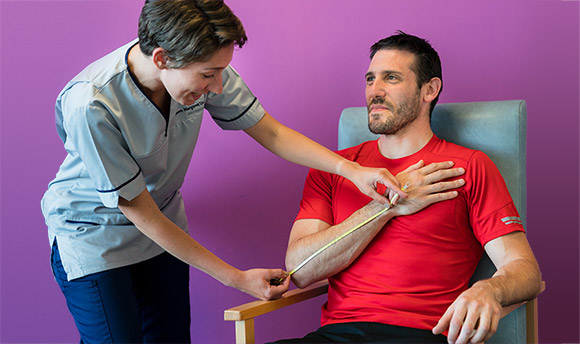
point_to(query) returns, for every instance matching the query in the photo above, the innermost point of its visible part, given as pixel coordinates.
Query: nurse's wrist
(242, 281)
(345, 168)
(232, 277)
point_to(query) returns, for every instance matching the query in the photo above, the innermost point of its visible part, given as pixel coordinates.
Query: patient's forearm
(518, 277)
(338, 256)
(517, 281)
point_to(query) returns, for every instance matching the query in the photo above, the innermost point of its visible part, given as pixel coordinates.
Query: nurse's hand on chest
(144, 213)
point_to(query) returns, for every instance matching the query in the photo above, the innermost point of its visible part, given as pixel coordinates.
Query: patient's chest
(425, 251)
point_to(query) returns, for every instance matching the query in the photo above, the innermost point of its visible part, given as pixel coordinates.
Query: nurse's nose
(216, 84)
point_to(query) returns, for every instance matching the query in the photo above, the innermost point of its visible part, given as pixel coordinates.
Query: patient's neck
(407, 141)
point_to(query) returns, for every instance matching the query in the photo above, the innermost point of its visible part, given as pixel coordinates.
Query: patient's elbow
(301, 280)
(540, 284)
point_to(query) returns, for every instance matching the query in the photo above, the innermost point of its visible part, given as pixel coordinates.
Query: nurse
(129, 123)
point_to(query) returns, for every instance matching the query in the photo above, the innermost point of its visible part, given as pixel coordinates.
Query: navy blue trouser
(146, 302)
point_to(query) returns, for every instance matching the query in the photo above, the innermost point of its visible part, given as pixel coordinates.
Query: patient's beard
(406, 112)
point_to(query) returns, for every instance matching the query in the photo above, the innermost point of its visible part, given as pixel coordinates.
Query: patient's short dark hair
(427, 63)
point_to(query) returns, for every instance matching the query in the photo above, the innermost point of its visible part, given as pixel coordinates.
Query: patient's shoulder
(362, 150)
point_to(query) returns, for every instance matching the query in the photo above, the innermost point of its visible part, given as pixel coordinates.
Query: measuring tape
(277, 281)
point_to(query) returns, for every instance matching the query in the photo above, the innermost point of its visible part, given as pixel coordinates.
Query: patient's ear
(431, 89)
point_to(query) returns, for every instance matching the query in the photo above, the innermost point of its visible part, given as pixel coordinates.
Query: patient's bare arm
(427, 185)
(474, 316)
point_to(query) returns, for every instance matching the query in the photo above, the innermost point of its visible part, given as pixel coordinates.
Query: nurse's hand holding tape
(129, 123)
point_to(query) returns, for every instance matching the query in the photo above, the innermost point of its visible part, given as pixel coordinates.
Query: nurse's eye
(208, 76)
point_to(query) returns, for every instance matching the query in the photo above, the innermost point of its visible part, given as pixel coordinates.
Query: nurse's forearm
(147, 217)
(297, 148)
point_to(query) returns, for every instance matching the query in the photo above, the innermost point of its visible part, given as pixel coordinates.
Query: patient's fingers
(436, 166)
(440, 196)
(419, 164)
(440, 175)
(444, 186)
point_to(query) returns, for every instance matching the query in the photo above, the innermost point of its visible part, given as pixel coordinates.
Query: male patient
(404, 276)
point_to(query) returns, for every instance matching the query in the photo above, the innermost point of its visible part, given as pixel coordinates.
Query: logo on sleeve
(512, 219)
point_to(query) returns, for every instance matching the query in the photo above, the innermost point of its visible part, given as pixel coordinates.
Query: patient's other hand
(473, 317)
(427, 185)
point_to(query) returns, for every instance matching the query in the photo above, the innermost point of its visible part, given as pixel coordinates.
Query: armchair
(497, 128)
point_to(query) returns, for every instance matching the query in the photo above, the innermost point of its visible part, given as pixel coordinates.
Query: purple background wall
(305, 60)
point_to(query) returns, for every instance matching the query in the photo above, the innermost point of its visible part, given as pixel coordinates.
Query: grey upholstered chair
(498, 128)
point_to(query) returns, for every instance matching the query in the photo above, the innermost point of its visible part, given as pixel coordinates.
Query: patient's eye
(370, 79)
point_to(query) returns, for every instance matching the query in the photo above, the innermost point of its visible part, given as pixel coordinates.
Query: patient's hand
(427, 185)
(472, 318)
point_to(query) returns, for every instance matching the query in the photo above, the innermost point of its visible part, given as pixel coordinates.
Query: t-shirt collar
(409, 159)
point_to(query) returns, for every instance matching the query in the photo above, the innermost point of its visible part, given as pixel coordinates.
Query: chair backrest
(497, 128)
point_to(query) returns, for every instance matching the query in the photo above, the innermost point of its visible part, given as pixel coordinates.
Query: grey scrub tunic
(118, 144)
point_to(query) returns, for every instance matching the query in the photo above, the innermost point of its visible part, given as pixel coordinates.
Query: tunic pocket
(155, 163)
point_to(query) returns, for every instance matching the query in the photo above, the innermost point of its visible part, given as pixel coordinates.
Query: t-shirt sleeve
(316, 200)
(236, 108)
(92, 135)
(491, 208)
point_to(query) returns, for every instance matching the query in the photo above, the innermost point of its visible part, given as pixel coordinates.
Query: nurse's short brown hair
(188, 30)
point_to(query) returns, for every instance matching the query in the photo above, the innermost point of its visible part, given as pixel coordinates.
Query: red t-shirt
(418, 264)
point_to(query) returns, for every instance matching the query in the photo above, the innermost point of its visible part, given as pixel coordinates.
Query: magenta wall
(305, 60)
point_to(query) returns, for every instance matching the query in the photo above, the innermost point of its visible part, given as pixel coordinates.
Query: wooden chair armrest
(255, 308)
(244, 314)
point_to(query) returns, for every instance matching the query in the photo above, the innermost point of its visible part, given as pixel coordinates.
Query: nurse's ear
(159, 58)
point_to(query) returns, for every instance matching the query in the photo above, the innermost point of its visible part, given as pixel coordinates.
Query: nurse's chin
(188, 101)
